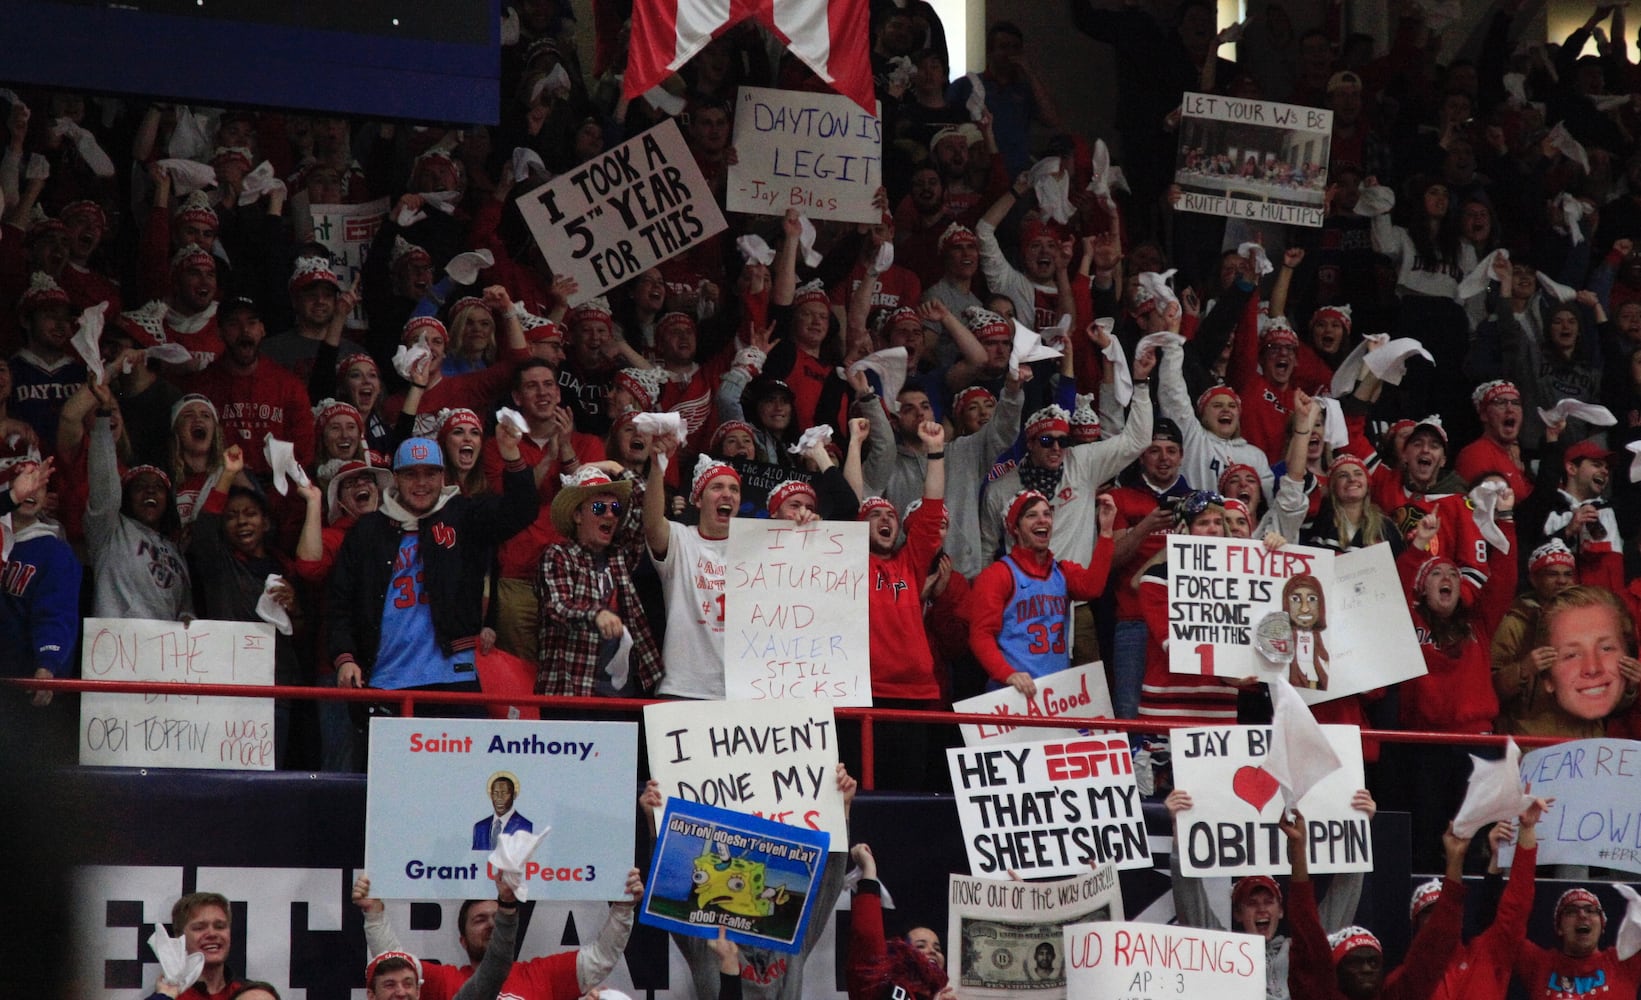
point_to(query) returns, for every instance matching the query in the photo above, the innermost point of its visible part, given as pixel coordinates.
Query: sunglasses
(601, 507)
(1200, 501)
(1050, 441)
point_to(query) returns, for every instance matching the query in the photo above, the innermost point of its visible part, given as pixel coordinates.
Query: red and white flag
(831, 36)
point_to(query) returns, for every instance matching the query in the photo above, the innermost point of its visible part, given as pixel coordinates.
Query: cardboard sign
(347, 231)
(1256, 160)
(777, 761)
(1008, 936)
(1080, 692)
(189, 728)
(793, 627)
(1049, 808)
(1145, 961)
(438, 787)
(759, 478)
(1237, 609)
(715, 868)
(818, 153)
(1231, 827)
(623, 212)
(1597, 815)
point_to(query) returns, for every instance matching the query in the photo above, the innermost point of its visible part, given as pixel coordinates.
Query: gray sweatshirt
(139, 572)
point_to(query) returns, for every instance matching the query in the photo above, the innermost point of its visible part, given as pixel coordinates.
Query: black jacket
(457, 542)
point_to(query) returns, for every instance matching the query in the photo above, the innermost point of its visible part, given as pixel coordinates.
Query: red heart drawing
(1254, 785)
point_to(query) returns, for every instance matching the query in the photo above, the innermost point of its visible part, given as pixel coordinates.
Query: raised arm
(933, 436)
(497, 963)
(657, 530)
(594, 962)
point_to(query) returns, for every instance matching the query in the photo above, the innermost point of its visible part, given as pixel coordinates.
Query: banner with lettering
(622, 212)
(816, 152)
(777, 760)
(189, 728)
(1256, 160)
(287, 852)
(1332, 625)
(1134, 961)
(1080, 692)
(1008, 936)
(1231, 827)
(441, 791)
(347, 231)
(752, 877)
(1597, 816)
(793, 621)
(1049, 808)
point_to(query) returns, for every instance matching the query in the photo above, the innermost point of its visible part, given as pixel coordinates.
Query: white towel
(1493, 793)
(511, 853)
(268, 609)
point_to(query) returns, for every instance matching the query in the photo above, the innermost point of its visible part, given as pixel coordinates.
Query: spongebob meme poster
(716, 868)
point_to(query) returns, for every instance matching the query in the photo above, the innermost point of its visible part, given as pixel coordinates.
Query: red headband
(1018, 505)
(1351, 938)
(1218, 390)
(786, 491)
(339, 409)
(875, 503)
(1335, 312)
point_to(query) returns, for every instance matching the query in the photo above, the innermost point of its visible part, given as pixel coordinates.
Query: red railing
(408, 700)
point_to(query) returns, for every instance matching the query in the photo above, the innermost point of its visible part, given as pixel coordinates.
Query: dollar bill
(1003, 955)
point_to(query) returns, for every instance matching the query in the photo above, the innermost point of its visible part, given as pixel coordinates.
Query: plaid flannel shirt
(568, 588)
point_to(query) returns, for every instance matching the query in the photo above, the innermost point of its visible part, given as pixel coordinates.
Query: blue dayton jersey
(1033, 637)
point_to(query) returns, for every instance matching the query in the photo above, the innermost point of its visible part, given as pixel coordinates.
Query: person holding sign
(1256, 900)
(1204, 701)
(1349, 964)
(1522, 662)
(235, 565)
(690, 561)
(765, 974)
(1593, 671)
(880, 969)
(1020, 605)
(398, 975)
(550, 977)
(595, 637)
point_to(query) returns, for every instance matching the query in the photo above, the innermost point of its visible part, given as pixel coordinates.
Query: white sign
(1254, 160)
(436, 785)
(793, 622)
(1332, 625)
(623, 212)
(1151, 961)
(1231, 827)
(777, 760)
(1597, 815)
(1080, 692)
(818, 153)
(1050, 808)
(347, 231)
(1007, 937)
(189, 728)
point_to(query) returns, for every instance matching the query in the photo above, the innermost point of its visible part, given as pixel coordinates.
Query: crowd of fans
(167, 305)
